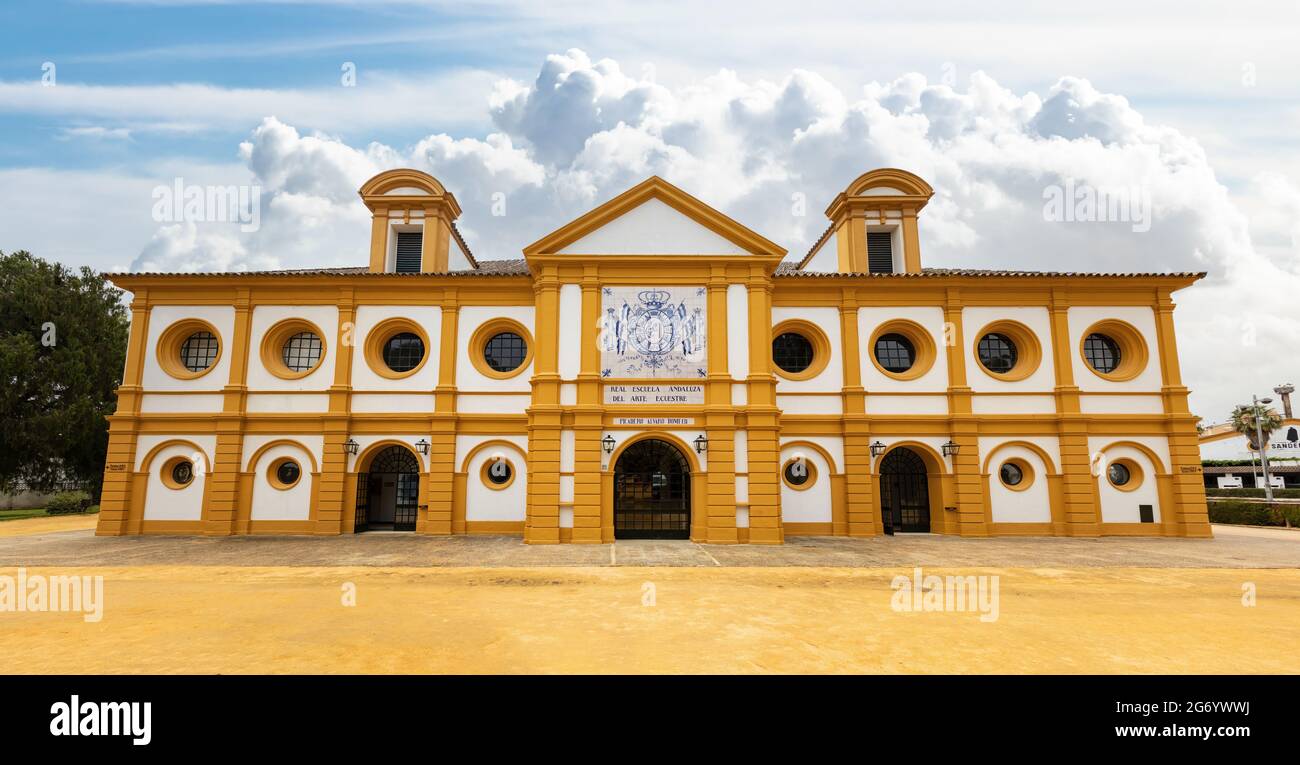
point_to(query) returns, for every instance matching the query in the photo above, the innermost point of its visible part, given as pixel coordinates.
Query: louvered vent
(408, 252)
(880, 252)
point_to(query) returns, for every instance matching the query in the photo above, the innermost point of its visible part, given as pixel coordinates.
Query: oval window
(505, 351)
(792, 352)
(403, 351)
(895, 353)
(1011, 474)
(199, 351)
(997, 353)
(1101, 352)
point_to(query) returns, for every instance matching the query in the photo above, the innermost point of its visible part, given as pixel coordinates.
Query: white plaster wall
(428, 317)
(1049, 444)
(326, 317)
(145, 443)
(1013, 404)
(1121, 404)
(834, 446)
(221, 317)
(1032, 505)
(1122, 506)
(472, 317)
(313, 444)
(827, 257)
(974, 319)
(190, 402)
(929, 317)
(812, 505)
(273, 504)
(570, 324)
(810, 404)
(742, 451)
(828, 320)
(467, 444)
(456, 259)
(686, 436)
(568, 451)
(508, 504)
(408, 439)
(652, 228)
(737, 331)
(472, 404)
(1157, 444)
(393, 402)
(162, 503)
(906, 404)
(1142, 318)
(283, 402)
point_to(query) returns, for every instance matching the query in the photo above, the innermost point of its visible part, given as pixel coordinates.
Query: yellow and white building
(653, 368)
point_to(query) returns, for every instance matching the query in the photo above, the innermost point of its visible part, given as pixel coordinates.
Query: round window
(301, 351)
(199, 351)
(1119, 474)
(498, 472)
(182, 472)
(792, 352)
(288, 472)
(1101, 352)
(997, 353)
(797, 472)
(403, 351)
(895, 353)
(1011, 474)
(505, 351)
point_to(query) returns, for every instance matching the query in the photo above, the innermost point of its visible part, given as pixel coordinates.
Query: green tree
(63, 339)
(1243, 421)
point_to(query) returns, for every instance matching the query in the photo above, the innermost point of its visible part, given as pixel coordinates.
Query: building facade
(653, 369)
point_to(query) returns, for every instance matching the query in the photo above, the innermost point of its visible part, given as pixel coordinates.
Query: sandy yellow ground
(188, 619)
(47, 524)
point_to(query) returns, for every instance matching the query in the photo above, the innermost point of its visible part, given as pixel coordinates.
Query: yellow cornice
(655, 187)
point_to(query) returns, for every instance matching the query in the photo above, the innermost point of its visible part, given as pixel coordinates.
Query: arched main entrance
(388, 492)
(652, 492)
(904, 492)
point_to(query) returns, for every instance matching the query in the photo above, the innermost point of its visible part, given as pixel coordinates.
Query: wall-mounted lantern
(350, 446)
(877, 449)
(422, 446)
(608, 444)
(701, 444)
(951, 448)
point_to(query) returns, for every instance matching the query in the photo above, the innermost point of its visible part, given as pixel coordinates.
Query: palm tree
(1243, 421)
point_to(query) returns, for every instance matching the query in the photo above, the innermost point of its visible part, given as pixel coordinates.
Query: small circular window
(799, 473)
(199, 351)
(498, 473)
(895, 353)
(792, 352)
(183, 472)
(1119, 474)
(505, 351)
(1011, 474)
(287, 473)
(1102, 352)
(403, 351)
(997, 353)
(301, 351)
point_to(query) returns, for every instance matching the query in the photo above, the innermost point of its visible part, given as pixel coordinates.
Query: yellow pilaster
(587, 421)
(378, 240)
(1188, 515)
(963, 429)
(763, 420)
(119, 465)
(545, 417)
(1078, 485)
(719, 419)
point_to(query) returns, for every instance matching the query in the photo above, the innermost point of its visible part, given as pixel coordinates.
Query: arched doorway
(388, 492)
(904, 492)
(652, 492)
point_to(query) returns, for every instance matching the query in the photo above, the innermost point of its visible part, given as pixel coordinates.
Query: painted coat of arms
(654, 332)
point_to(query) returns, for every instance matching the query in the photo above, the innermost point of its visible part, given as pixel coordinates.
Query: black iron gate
(652, 492)
(398, 467)
(904, 492)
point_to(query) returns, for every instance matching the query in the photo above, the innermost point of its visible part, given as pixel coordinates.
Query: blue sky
(560, 105)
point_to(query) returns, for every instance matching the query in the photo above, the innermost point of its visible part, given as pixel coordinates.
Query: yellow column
(378, 240)
(911, 243)
(119, 465)
(860, 507)
(719, 421)
(222, 489)
(336, 496)
(1079, 486)
(763, 419)
(588, 421)
(440, 484)
(545, 417)
(969, 518)
(1188, 515)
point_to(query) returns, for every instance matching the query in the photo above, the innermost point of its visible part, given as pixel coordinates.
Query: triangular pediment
(654, 218)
